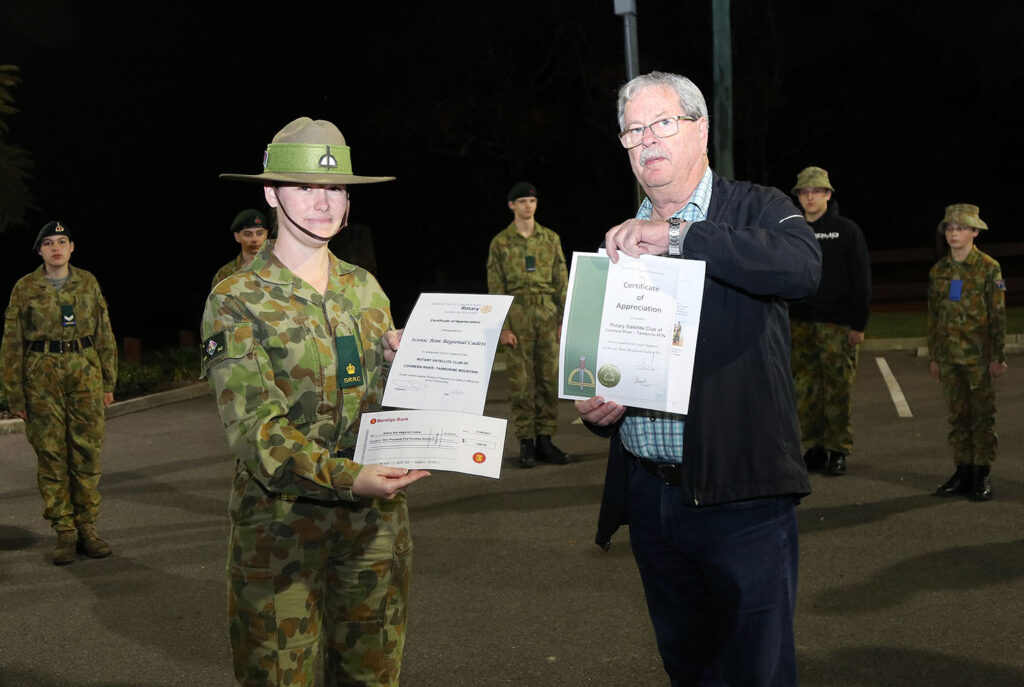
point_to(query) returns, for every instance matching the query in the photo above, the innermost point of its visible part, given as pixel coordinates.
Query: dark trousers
(720, 583)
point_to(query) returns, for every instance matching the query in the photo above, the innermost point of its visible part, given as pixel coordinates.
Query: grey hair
(691, 100)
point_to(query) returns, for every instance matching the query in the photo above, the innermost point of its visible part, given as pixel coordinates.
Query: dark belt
(669, 473)
(61, 346)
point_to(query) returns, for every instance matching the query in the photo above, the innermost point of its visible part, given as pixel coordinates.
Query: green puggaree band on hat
(292, 158)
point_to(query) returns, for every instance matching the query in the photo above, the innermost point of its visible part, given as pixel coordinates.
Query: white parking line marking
(898, 399)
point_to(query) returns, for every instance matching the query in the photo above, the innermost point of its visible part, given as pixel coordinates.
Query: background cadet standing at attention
(966, 334)
(250, 230)
(59, 367)
(828, 328)
(526, 261)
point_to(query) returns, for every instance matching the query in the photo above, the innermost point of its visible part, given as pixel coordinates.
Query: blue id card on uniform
(955, 287)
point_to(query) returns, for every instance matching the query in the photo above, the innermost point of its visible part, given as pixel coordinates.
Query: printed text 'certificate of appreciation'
(446, 353)
(436, 440)
(629, 333)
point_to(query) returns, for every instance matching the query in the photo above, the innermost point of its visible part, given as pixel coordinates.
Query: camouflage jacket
(507, 271)
(35, 314)
(227, 270)
(972, 329)
(272, 351)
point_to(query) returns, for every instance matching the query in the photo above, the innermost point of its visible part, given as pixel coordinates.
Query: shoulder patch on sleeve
(1000, 285)
(231, 343)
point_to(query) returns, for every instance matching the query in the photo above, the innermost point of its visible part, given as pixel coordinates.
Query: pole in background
(721, 121)
(627, 10)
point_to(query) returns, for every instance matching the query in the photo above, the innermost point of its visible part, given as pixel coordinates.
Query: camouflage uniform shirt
(227, 270)
(271, 355)
(37, 313)
(506, 265)
(971, 330)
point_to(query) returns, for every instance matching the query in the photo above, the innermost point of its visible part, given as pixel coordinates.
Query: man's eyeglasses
(663, 128)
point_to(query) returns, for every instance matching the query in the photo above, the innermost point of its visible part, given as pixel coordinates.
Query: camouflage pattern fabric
(971, 399)
(292, 372)
(964, 336)
(62, 393)
(824, 368)
(227, 270)
(971, 330)
(534, 318)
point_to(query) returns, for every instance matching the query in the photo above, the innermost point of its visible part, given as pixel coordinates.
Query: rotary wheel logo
(479, 457)
(373, 420)
(609, 375)
(485, 309)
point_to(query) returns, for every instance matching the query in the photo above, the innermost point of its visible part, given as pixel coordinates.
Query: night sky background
(131, 112)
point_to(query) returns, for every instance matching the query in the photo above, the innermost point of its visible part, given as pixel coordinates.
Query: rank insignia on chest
(531, 263)
(350, 371)
(213, 346)
(67, 315)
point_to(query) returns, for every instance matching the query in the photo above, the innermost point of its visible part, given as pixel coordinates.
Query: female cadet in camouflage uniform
(59, 365)
(966, 334)
(296, 348)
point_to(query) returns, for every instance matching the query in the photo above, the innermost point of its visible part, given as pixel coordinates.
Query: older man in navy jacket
(710, 497)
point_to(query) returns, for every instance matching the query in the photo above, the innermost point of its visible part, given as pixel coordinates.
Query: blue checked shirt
(654, 434)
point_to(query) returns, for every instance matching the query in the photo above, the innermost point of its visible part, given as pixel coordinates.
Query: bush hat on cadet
(812, 177)
(964, 214)
(249, 219)
(53, 228)
(307, 152)
(523, 189)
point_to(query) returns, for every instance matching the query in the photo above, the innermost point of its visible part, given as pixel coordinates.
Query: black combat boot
(527, 453)
(959, 483)
(836, 464)
(815, 458)
(982, 490)
(550, 453)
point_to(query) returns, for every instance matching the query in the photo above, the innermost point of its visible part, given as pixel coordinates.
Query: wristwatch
(674, 246)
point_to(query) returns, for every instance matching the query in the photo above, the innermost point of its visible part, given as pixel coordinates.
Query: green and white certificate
(629, 332)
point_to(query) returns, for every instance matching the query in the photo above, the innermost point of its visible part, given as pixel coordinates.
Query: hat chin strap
(304, 230)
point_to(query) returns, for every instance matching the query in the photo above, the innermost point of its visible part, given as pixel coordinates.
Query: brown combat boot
(90, 543)
(64, 552)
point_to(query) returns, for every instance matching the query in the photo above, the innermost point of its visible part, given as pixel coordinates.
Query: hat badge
(59, 228)
(327, 160)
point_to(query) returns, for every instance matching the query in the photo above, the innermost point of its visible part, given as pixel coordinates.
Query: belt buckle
(65, 346)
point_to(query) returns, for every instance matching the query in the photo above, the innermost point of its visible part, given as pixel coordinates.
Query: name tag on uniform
(956, 286)
(67, 315)
(531, 263)
(350, 372)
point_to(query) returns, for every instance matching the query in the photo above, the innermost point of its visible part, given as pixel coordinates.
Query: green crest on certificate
(350, 372)
(609, 375)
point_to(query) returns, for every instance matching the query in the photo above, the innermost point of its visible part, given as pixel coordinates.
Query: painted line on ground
(898, 399)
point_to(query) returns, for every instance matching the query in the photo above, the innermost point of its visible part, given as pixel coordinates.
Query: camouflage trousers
(971, 399)
(534, 359)
(302, 573)
(824, 368)
(65, 425)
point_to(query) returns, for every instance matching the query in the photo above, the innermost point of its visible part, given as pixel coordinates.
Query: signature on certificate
(647, 363)
(640, 381)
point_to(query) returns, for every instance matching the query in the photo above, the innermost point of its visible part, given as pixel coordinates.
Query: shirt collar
(695, 209)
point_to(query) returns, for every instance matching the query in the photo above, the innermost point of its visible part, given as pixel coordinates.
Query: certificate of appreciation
(629, 333)
(447, 350)
(435, 440)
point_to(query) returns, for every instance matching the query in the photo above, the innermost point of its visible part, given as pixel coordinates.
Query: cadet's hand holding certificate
(629, 333)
